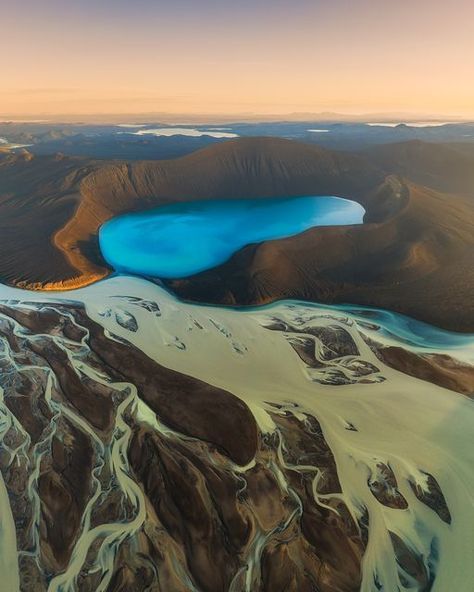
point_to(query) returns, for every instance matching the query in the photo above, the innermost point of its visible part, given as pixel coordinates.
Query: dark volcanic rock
(439, 369)
(184, 403)
(165, 504)
(433, 497)
(64, 488)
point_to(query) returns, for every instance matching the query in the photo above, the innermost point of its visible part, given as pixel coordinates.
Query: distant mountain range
(159, 140)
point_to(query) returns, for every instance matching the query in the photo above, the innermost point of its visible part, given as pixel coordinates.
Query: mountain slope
(414, 254)
(444, 167)
(418, 262)
(52, 207)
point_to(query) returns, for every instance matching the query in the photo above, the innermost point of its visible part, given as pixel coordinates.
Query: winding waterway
(403, 448)
(381, 416)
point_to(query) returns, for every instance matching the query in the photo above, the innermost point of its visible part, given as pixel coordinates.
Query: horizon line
(242, 116)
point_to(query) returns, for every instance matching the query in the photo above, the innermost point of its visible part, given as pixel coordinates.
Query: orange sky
(222, 57)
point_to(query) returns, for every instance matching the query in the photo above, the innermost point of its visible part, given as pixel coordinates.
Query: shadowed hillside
(444, 167)
(38, 195)
(413, 254)
(418, 262)
(51, 207)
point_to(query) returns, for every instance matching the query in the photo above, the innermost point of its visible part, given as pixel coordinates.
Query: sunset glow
(261, 56)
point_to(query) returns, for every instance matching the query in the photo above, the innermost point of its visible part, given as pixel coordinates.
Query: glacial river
(370, 414)
(413, 426)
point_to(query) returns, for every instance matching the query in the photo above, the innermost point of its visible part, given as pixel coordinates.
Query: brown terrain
(191, 498)
(414, 254)
(439, 369)
(192, 494)
(444, 167)
(197, 516)
(417, 261)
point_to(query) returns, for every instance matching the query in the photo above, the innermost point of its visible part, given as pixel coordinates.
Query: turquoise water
(181, 239)
(406, 330)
